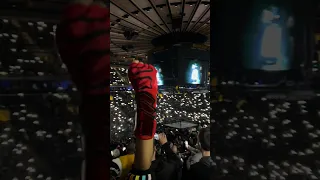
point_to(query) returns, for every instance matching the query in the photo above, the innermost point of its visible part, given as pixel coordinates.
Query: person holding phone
(195, 157)
(168, 166)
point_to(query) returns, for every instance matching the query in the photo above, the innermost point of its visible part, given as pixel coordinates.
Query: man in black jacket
(204, 168)
(168, 167)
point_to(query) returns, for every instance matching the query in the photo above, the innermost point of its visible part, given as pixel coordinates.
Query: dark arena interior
(262, 105)
(265, 114)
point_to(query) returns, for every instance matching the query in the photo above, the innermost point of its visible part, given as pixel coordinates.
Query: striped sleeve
(83, 39)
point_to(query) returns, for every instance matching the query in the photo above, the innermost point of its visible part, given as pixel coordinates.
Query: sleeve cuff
(136, 174)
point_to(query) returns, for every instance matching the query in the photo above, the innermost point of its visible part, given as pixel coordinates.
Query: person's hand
(143, 77)
(174, 149)
(144, 82)
(186, 144)
(162, 138)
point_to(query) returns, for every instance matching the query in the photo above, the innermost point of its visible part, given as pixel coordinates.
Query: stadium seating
(267, 139)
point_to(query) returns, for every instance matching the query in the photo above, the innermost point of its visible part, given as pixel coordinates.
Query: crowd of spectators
(40, 137)
(264, 137)
(194, 108)
(259, 137)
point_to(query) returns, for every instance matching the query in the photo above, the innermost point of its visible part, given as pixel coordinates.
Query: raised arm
(143, 80)
(165, 145)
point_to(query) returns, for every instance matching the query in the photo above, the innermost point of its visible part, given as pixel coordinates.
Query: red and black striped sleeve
(83, 40)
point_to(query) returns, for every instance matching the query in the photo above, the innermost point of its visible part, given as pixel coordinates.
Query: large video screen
(194, 72)
(181, 66)
(159, 75)
(269, 39)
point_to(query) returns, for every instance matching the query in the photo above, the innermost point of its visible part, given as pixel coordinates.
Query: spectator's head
(204, 139)
(131, 148)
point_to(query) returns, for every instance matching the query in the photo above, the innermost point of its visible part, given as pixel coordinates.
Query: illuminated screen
(194, 72)
(271, 43)
(159, 75)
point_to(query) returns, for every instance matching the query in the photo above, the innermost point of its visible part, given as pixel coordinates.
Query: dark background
(229, 29)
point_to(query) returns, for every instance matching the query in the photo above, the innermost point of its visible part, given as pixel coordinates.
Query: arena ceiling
(152, 18)
(145, 19)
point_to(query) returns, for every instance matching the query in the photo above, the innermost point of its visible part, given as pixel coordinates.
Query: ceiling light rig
(161, 6)
(206, 3)
(148, 9)
(191, 3)
(136, 13)
(175, 4)
(120, 24)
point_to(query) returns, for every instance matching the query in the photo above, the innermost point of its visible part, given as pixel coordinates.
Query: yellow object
(111, 98)
(160, 95)
(4, 115)
(240, 104)
(214, 82)
(126, 163)
(73, 109)
(177, 88)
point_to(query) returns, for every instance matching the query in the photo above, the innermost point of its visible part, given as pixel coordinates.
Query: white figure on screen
(271, 43)
(194, 74)
(159, 76)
